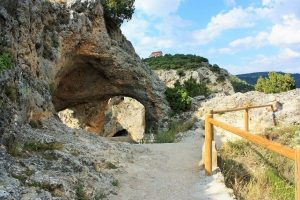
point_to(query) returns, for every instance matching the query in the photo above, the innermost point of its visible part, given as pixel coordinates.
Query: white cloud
(288, 53)
(157, 7)
(230, 2)
(288, 32)
(235, 18)
(251, 41)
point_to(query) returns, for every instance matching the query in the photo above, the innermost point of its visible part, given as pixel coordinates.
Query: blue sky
(239, 35)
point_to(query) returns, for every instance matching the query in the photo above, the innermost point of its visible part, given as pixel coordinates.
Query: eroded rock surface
(216, 81)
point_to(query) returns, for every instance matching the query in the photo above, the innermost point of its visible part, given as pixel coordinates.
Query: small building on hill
(156, 54)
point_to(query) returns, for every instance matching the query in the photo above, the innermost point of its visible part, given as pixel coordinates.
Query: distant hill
(178, 61)
(251, 78)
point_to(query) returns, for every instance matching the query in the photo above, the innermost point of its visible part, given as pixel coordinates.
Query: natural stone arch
(88, 81)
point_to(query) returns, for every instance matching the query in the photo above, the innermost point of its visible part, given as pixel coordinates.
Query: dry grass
(175, 127)
(255, 173)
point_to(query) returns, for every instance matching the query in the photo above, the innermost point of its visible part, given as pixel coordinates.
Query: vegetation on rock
(117, 11)
(196, 89)
(275, 83)
(177, 61)
(179, 97)
(175, 127)
(6, 61)
(239, 85)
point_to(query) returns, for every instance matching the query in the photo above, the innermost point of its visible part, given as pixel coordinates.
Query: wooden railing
(210, 122)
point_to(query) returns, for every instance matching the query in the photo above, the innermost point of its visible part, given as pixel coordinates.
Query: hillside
(181, 67)
(251, 78)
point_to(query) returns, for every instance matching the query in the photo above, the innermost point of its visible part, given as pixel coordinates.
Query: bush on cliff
(179, 97)
(275, 83)
(117, 11)
(196, 89)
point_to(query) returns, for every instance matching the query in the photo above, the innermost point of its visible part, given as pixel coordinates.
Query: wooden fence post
(297, 173)
(246, 119)
(208, 144)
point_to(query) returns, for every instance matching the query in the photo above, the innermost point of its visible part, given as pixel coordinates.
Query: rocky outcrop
(216, 81)
(120, 114)
(64, 53)
(286, 104)
(127, 114)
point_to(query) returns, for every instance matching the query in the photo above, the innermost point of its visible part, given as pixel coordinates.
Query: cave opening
(121, 133)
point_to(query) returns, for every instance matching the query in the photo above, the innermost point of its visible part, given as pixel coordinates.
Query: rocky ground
(84, 165)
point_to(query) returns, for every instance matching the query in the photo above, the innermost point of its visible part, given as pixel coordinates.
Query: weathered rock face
(125, 114)
(64, 58)
(64, 53)
(216, 81)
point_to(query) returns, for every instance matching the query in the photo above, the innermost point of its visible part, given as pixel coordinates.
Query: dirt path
(171, 172)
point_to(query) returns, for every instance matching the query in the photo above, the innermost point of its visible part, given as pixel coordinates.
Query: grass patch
(36, 124)
(115, 183)
(81, 193)
(100, 195)
(256, 173)
(281, 188)
(12, 92)
(6, 61)
(34, 146)
(14, 148)
(175, 127)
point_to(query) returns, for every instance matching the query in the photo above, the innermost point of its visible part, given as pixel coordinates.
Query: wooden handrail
(293, 154)
(242, 108)
(273, 146)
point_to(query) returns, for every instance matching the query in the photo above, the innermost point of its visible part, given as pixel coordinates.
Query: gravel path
(171, 172)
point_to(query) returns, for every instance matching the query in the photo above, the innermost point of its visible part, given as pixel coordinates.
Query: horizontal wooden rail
(273, 146)
(238, 109)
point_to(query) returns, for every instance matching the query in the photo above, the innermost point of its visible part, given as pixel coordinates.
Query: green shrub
(275, 83)
(6, 61)
(215, 68)
(239, 85)
(178, 98)
(180, 72)
(177, 62)
(220, 78)
(116, 11)
(196, 89)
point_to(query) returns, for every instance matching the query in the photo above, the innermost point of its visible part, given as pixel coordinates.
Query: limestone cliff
(216, 81)
(65, 57)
